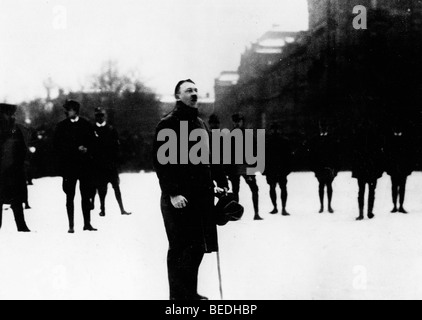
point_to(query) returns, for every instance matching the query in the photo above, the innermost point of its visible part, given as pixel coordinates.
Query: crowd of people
(87, 153)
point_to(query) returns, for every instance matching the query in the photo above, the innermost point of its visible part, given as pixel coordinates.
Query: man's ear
(177, 95)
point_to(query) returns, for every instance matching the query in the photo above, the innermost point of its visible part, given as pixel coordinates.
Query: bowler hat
(7, 108)
(227, 209)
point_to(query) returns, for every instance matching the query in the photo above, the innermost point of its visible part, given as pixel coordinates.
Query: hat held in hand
(227, 209)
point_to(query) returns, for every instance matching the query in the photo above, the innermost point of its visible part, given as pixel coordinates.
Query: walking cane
(219, 275)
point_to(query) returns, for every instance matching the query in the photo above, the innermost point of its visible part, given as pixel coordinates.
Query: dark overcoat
(196, 224)
(278, 157)
(13, 150)
(106, 152)
(368, 155)
(69, 137)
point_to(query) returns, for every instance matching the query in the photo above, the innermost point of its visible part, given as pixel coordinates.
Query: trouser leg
(273, 194)
(394, 191)
(361, 197)
(251, 181)
(321, 194)
(330, 192)
(86, 188)
(183, 267)
(371, 201)
(69, 186)
(402, 191)
(102, 192)
(19, 217)
(284, 192)
(118, 194)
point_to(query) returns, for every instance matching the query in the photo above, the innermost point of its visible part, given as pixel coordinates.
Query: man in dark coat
(13, 189)
(278, 166)
(74, 142)
(187, 200)
(237, 171)
(400, 154)
(325, 163)
(106, 152)
(368, 164)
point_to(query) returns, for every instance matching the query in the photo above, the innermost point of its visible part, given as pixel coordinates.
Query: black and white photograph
(226, 151)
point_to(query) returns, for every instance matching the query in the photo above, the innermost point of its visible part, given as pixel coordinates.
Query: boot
(361, 206)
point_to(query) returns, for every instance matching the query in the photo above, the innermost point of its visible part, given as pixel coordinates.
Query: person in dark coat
(237, 171)
(74, 143)
(400, 164)
(278, 166)
(187, 200)
(368, 164)
(13, 188)
(106, 152)
(325, 163)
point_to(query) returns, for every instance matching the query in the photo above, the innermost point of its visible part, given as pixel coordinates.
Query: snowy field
(305, 256)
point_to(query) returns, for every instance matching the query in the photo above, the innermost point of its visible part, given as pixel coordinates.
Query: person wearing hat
(401, 161)
(236, 171)
(106, 152)
(187, 200)
(367, 163)
(74, 142)
(13, 189)
(325, 162)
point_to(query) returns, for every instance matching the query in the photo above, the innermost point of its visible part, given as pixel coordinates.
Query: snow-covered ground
(305, 256)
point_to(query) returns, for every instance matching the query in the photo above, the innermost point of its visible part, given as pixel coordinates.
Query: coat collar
(185, 112)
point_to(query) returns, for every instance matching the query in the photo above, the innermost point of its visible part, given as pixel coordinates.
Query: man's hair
(179, 84)
(72, 105)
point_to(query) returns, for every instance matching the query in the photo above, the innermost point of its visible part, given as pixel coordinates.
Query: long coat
(13, 150)
(69, 137)
(368, 155)
(196, 224)
(400, 156)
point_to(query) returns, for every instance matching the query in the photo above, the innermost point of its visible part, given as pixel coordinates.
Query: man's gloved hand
(179, 202)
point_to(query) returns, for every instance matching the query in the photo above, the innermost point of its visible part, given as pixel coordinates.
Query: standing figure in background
(279, 158)
(106, 151)
(325, 163)
(236, 171)
(400, 155)
(368, 164)
(74, 142)
(13, 188)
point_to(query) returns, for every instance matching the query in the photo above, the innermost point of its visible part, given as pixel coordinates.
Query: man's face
(71, 114)
(188, 95)
(100, 118)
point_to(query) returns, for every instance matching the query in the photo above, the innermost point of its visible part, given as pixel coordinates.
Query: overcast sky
(161, 40)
